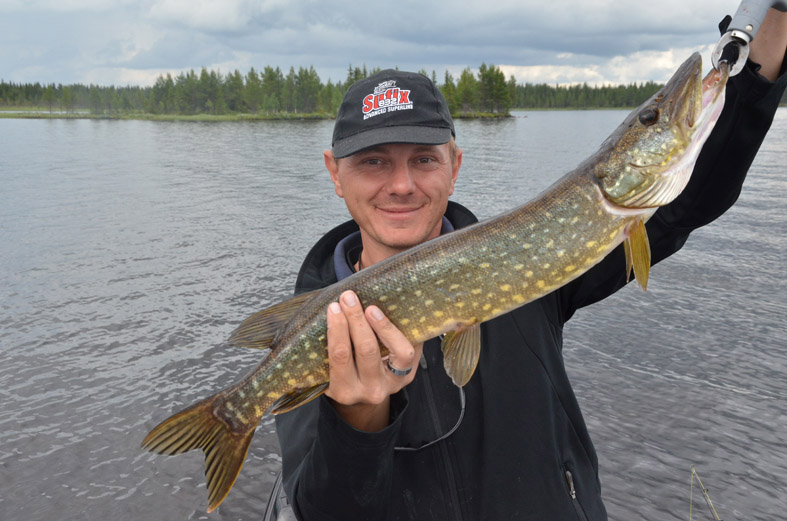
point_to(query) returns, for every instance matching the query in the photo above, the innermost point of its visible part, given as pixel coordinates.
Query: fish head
(648, 160)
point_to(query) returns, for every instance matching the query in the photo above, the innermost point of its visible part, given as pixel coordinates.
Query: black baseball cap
(391, 107)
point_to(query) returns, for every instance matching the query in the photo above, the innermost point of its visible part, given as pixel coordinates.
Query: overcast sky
(120, 42)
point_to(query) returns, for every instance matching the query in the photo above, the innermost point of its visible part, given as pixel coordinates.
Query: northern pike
(455, 282)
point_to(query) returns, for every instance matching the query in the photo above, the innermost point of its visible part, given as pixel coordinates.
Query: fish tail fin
(198, 428)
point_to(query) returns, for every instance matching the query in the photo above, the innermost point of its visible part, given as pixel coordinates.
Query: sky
(132, 42)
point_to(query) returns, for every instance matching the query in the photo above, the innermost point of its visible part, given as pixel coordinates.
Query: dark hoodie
(521, 449)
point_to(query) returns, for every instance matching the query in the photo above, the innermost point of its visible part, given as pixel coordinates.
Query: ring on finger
(398, 372)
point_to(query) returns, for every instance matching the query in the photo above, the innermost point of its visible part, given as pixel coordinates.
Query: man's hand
(361, 384)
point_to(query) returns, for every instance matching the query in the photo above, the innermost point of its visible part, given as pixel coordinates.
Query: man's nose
(402, 180)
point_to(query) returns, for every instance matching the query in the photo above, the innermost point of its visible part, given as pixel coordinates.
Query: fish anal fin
(461, 349)
(298, 397)
(198, 428)
(639, 249)
(259, 330)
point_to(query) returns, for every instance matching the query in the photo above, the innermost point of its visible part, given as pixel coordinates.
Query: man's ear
(333, 168)
(457, 163)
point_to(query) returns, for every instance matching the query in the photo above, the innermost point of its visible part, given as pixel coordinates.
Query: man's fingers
(365, 345)
(402, 354)
(340, 354)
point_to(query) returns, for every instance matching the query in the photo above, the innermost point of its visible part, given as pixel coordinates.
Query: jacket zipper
(445, 456)
(573, 493)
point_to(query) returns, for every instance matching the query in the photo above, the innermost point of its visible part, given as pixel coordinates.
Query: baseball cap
(391, 107)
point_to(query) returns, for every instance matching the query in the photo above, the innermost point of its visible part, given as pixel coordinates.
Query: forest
(272, 94)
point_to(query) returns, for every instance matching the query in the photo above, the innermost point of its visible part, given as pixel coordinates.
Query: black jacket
(522, 450)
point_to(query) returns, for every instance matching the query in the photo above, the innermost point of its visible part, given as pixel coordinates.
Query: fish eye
(648, 116)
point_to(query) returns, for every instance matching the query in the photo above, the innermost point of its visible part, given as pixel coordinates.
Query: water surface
(131, 249)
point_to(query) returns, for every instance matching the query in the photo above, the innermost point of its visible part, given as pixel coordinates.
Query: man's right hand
(361, 383)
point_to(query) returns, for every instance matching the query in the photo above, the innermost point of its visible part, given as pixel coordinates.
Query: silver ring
(398, 372)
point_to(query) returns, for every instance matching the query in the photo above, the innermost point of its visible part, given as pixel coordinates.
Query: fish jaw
(648, 161)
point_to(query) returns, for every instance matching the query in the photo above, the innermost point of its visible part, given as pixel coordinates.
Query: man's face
(396, 193)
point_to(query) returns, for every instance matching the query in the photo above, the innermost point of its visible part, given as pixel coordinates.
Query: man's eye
(425, 160)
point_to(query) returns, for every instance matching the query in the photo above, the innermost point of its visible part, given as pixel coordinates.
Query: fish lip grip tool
(742, 29)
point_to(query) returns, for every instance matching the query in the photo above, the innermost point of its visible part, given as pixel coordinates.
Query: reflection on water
(131, 249)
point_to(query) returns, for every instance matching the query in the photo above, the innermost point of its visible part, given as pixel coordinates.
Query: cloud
(564, 41)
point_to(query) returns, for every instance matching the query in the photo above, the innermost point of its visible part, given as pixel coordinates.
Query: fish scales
(468, 276)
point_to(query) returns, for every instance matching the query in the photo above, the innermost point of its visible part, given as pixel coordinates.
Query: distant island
(270, 94)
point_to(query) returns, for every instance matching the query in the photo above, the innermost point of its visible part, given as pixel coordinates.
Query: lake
(131, 249)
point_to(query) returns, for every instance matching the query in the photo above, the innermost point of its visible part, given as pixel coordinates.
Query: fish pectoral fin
(298, 397)
(198, 428)
(259, 330)
(638, 250)
(629, 261)
(461, 349)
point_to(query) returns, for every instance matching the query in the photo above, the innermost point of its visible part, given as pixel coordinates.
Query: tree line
(272, 92)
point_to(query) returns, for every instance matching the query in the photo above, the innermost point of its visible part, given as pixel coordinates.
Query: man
(395, 439)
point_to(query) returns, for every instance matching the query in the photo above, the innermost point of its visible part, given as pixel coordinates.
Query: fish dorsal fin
(298, 397)
(259, 330)
(461, 349)
(638, 253)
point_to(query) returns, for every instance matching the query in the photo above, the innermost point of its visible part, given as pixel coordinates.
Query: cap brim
(416, 135)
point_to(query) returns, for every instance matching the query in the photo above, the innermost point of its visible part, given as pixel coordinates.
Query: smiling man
(393, 438)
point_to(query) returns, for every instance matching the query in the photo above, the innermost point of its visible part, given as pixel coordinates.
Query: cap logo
(387, 97)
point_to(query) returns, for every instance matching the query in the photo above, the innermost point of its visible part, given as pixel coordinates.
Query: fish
(452, 284)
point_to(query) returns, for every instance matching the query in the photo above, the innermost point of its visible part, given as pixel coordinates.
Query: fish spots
(438, 314)
(415, 332)
(383, 298)
(476, 291)
(519, 267)
(275, 395)
(484, 265)
(519, 299)
(547, 266)
(527, 246)
(570, 268)
(541, 284)
(453, 287)
(392, 307)
(560, 253)
(528, 274)
(505, 287)
(292, 382)
(429, 302)
(575, 220)
(257, 411)
(418, 293)
(255, 384)
(550, 244)
(313, 356)
(422, 320)
(405, 321)
(487, 307)
(460, 305)
(591, 244)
